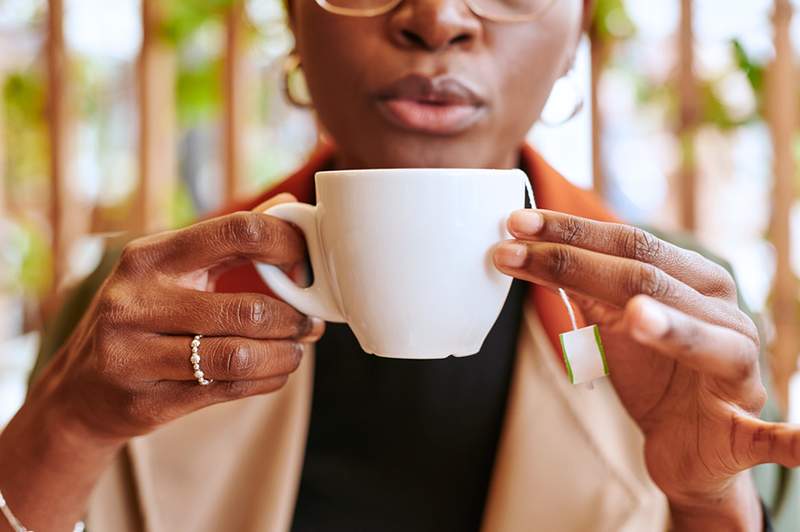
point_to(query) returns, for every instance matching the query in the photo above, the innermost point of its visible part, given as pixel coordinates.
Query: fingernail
(511, 255)
(314, 330)
(653, 321)
(527, 222)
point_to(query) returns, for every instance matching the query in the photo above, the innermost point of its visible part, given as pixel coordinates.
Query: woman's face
(431, 84)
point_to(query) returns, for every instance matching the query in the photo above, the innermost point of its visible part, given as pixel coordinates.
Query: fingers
(765, 442)
(180, 311)
(208, 244)
(625, 241)
(188, 396)
(612, 279)
(297, 273)
(227, 358)
(707, 348)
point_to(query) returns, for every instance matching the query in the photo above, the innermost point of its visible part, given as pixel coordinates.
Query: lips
(440, 106)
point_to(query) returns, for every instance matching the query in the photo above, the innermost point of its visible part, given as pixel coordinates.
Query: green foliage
(89, 81)
(755, 72)
(611, 22)
(23, 108)
(713, 111)
(183, 18)
(26, 260)
(182, 208)
(198, 89)
(24, 96)
(35, 275)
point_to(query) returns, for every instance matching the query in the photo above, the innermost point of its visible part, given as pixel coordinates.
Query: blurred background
(139, 115)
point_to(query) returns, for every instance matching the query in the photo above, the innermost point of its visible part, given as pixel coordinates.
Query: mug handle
(317, 299)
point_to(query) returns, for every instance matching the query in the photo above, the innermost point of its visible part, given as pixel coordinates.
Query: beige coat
(569, 459)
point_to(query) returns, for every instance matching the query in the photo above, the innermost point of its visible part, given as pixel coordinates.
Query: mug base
(424, 356)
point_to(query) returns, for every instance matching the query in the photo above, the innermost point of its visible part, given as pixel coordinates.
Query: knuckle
(105, 351)
(685, 336)
(571, 230)
(745, 367)
(136, 257)
(724, 283)
(111, 312)
(641, 245)
(650, 281)
(559, 261)
(249, 229)
(239, 360)
(111, 307)
(760, 397)
(250, 312)
(748, 358)
(113, 359)
(749, 328)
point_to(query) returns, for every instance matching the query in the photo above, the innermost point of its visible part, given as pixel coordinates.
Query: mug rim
(376, 172)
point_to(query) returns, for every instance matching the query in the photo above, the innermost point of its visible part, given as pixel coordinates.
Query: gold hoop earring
(564, 85)
(295, 88)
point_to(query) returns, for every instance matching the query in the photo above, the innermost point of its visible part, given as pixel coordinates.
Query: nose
(434, 25)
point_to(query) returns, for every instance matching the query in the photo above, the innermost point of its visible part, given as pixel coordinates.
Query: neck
(509, 159)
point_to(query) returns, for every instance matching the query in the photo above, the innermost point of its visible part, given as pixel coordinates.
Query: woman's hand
(125, 370)
(683, 357)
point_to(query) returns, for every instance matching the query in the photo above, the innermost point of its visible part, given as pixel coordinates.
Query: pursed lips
(443, 105)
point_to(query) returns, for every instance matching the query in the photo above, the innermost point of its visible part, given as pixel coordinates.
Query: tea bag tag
(582, 348)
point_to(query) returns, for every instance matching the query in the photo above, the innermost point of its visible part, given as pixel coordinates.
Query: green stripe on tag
(566, 359)
(601, 348)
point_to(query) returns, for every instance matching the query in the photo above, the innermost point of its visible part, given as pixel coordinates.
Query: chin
(429, 151)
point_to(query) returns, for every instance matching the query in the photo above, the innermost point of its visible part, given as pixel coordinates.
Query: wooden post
(157, 125)
(688, 118)
(3, 181)
(235, 101)
(600, 51)
(782, 115)
(63, 232)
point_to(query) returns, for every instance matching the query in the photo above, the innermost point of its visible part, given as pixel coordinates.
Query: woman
(497, 441)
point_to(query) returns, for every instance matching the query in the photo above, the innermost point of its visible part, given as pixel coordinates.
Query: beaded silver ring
(195, 360)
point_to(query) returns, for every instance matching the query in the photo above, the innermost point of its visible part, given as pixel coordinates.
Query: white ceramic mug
(404, 256)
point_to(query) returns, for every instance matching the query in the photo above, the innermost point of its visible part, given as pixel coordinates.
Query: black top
(404, 445)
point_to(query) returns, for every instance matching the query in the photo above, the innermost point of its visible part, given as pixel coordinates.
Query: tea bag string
(570, 310)
(561, 291)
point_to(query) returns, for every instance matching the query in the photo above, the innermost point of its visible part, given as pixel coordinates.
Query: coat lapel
(569, 459)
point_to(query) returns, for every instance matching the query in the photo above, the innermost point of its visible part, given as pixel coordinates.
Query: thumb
(297, 272)
(764, 442)
(283, 197)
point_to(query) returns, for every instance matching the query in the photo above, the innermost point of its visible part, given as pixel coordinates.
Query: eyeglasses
(494, 10)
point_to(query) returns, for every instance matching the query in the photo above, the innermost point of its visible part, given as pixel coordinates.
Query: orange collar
(553, 192)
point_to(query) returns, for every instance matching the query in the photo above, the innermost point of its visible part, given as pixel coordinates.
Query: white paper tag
(584, 355)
